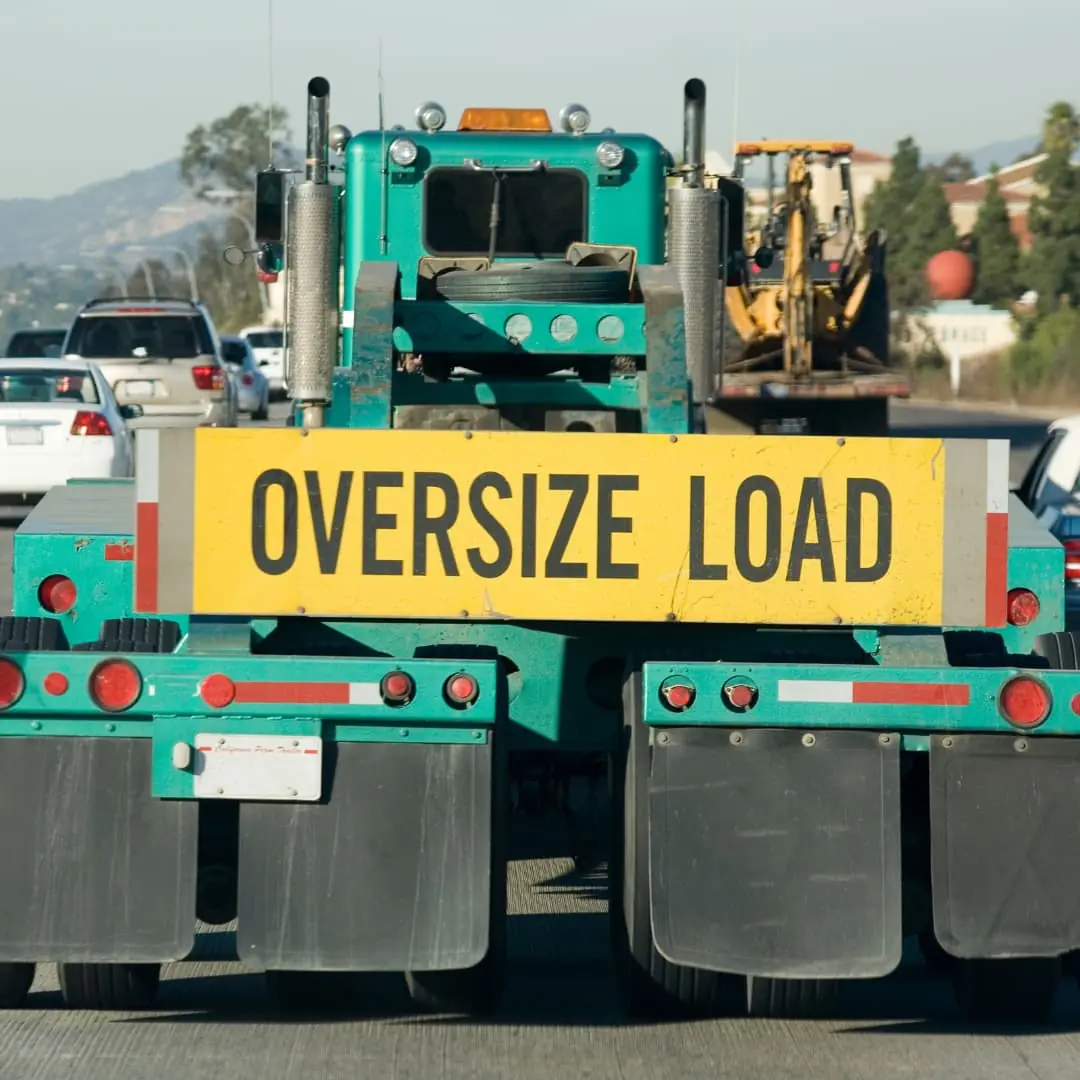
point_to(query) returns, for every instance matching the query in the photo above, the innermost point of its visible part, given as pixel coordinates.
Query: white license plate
(24, 436)
(286, 768)
(140, 388)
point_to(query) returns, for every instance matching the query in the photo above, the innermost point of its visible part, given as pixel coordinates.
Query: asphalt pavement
(560, 1017)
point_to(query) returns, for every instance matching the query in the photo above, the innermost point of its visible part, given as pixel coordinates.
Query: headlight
(610, 155)
(403, 152)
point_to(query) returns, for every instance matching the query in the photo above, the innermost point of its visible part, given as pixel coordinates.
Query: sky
(93, 90)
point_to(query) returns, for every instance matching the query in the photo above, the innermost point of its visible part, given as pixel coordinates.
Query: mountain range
(153, 207)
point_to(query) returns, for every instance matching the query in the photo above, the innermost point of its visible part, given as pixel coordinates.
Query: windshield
(40, 386)
(540, 213)
(101, 337)
(28, 344)
(233, 351)
(270, 340)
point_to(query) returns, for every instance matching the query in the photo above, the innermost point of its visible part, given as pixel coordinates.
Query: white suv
(268, 345)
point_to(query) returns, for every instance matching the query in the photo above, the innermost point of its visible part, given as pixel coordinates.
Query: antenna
(384, 235)
(270, 78)
(735, 96)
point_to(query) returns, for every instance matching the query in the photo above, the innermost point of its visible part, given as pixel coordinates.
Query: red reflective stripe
(898, 693)
(121, 552)
(292, 693)
(146, 564)
(997, 570)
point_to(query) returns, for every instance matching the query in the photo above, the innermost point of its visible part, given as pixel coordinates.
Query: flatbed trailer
(296, 676)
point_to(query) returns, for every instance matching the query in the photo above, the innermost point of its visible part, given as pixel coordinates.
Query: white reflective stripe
(997, 476)
(346, 320)
(147, 459)
(822, 691)
(364, 693)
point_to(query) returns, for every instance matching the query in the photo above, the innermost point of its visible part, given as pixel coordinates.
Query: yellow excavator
(803, 333)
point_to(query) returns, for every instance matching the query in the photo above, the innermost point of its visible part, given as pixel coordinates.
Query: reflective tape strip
(842, 692)
(825, 692)
(301, 693)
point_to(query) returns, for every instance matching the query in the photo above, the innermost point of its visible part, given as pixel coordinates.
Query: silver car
(162, 355)
(252, 385)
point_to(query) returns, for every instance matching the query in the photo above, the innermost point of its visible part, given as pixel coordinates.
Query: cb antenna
(384, 235)
(270, 79)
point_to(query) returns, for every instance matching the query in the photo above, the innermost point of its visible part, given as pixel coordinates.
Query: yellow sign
(559, 526)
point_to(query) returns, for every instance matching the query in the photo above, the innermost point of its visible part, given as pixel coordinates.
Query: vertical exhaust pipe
(694, 133)
(311, 269)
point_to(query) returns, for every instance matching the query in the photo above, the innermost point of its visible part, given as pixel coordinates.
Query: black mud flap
(391, 872)
(94, 869)
(1005, 844)
(774, 853)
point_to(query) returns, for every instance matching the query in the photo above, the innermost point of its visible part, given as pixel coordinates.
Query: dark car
(39, 343)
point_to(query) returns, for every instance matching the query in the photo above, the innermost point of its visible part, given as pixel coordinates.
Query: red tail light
(12, 683)
(266, 277)
(90, 423)
(397, 688)
(115, 685)
(1072, 560)
(677, 696)
(217, 691)
(208, 377)
(248, 379)
(1023, 607)
(57, 595)
(1024, 702)
(461, 689)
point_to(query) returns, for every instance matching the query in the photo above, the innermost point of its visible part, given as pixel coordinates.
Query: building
(1017, 185)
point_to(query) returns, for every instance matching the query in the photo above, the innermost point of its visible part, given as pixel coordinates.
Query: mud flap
(391, 872)
(771, 857)
(95, 870)
(1005, 844)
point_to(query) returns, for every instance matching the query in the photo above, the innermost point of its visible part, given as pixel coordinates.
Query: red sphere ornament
(950, 275)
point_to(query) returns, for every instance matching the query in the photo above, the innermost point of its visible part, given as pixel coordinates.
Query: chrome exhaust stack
(311, 270)
(694, 248)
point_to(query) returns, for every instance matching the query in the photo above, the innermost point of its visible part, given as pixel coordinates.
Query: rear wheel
(792, 999)
(31, 635)
(1007, 991)
(263, 411)
(109, 987)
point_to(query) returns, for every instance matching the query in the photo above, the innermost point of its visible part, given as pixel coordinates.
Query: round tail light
(677, 696)
(12, 683)
(217, 691)
(461, 689)
(115, 685)
(1023, 607)
(1024, 702)
(397, 688)
(57, 595)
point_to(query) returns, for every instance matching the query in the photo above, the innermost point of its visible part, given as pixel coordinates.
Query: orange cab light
(505, 120)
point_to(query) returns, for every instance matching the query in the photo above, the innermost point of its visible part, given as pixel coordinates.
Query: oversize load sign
(572, 526)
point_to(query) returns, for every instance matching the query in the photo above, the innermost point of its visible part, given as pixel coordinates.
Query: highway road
(560, 1018)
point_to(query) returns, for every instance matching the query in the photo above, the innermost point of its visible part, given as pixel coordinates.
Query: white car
(59, 421)
(268, 346)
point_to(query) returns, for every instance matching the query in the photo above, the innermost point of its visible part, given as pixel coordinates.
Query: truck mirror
(270, 206)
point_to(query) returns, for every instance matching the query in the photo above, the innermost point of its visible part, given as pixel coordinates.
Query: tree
(996, 250)
(955, 169)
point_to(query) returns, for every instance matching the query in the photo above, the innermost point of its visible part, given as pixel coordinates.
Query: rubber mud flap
(392, 872)
(770, 857)
(95, 870)
(1005, 844)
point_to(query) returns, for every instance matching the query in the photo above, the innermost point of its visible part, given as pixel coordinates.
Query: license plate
(24, 436)
(140, 388)
(268, 767)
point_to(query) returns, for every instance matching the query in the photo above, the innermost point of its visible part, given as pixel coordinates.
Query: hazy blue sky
(92, 90)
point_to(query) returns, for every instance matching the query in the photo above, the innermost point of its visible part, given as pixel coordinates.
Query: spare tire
(537, 281)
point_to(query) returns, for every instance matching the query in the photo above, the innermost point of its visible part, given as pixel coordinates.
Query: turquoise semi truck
(294, 676)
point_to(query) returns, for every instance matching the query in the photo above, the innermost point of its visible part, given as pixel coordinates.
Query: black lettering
(700, 570)
(578, 486)
(374, 521)
(424, 525)
(263, 482)
(857, 487)
(811, 501)
(504, 551)
(747, 489)
(328, 542)
(607, 525)
(528, 525)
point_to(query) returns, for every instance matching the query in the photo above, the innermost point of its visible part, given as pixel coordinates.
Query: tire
(31, 635)
(109, 987)
(135, 636)
(650, 986)
(263, 411)
(15, 983)
(537, 281)
(1007, 991)
(792, 999)
(1061, 650)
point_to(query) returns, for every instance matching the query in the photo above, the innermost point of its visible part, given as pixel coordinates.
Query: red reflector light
(115, 685)
(12, 683)
(1072, 560)
(396, 688)
(208, 377)
(1024, 702)
(56, 594)
(834, 268)
(741, 695)
(1023, 607)
(267, 277)
(55, 683)
(247, 379)
(461, 689)
(217, 691)
(90, 423)
(677, 696)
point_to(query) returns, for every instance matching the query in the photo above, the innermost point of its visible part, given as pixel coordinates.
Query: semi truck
(293, 677)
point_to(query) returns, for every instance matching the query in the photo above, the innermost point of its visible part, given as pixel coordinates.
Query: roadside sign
(572, 526)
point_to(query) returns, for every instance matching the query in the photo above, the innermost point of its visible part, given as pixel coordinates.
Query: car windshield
(29, 344)
(540, 213)
(271, 339)
(176, 337)
(43, 386)
(233, 352)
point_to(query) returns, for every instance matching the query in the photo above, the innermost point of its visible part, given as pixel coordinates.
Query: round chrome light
(431, 117)
(574, 119)
(403, 152)
(339, 138)
(610, 155)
